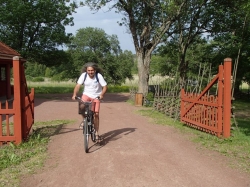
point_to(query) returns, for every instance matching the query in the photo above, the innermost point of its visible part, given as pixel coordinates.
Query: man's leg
(96, 123)
(96, 117)
(82, 109)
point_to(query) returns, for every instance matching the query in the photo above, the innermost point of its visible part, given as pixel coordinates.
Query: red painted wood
(210, 113)
(227, 97)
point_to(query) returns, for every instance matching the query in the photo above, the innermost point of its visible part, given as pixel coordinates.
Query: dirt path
(135, 153)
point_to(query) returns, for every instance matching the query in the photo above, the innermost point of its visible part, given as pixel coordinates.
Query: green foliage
(28, 77)
(163, 65)
(147, 22)
(52, 90)
(118, 89)
(94, 45)
(236, 47)
(38, 79)
(63, 76)
(34, 69)
(58, 87)
(149, 99)
(48, 72)
(14, 155)
(117, 69)
(35, 28)
(150, 96)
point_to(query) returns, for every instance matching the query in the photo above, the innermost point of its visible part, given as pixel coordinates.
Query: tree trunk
(183, 67)
(143, 64)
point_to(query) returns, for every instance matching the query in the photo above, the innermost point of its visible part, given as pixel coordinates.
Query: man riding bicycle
(94, 89)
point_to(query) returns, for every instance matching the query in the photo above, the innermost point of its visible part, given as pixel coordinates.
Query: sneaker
(81, 126)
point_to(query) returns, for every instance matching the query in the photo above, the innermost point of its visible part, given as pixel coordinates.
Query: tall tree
(199, 18)
(148, 21)
(94, 45)
(35, 27)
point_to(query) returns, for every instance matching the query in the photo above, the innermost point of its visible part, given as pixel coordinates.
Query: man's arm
(104, 89)
(76, 90)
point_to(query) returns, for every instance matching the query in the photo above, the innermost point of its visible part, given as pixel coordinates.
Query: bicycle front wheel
(86, 136)
(93, 137)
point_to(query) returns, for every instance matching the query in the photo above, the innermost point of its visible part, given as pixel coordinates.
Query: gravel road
(134, 152)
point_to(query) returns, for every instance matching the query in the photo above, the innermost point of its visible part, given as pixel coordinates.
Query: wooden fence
(210, 113)
(17, 115)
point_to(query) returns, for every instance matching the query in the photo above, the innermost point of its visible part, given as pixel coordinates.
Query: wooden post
(138, 99)
(17, 100)
(220, 99)
(227, 97)
(182, 104)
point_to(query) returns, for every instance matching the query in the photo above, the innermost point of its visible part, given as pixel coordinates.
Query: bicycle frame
(88, 121)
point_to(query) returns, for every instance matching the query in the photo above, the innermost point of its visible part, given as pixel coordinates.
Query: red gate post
(17, 100)
(227, 97)
(220, 100)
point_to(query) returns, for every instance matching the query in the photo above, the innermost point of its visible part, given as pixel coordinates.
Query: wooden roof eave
(9, 58)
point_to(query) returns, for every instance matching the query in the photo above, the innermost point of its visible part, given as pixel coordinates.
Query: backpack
(85, 76)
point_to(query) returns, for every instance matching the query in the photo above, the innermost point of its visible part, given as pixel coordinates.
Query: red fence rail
(210, 113)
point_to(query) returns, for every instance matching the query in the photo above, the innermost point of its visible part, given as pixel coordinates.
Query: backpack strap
(96, 76)
(85, 76)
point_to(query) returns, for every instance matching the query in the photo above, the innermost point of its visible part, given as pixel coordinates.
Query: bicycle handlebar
(77, 98)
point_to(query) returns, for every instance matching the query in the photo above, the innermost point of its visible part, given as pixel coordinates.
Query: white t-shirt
(92, 87)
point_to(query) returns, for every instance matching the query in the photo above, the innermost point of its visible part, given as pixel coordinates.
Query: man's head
(91, 71)
(91, 68)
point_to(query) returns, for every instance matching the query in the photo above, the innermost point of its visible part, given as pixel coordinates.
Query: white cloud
(106, 20)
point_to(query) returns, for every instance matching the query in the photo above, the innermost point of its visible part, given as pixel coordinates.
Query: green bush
(59, 77)
(28, 78)
(52, 90)
(38, 79)
(56, 77)
(149, 99)
(48, 72)
(117, 89)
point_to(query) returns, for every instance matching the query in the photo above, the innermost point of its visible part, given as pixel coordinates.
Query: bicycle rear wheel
(86, 136)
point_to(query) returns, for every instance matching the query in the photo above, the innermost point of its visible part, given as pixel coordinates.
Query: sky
(104, 20)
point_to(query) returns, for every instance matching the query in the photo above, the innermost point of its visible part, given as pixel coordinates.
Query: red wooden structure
(210, 113)
(17, 104)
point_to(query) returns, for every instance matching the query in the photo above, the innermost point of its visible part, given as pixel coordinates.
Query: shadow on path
(110, 136)
(52, 130)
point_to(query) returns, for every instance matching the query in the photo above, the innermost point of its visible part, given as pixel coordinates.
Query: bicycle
(88, 122)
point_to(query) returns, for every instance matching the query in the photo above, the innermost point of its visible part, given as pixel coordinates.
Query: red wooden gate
(210, 113)
(17, 116)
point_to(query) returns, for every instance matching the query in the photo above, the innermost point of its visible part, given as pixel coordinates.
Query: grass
(26, 158)
(54, 87)
(236, 148)
(68, 87)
